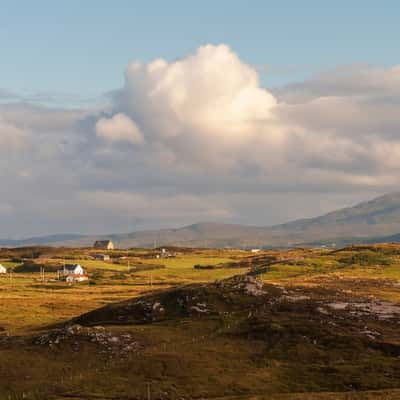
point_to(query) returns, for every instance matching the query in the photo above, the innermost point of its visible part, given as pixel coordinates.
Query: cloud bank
(200, 139)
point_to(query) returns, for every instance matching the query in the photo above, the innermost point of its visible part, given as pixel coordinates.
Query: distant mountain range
(377, 220)
(42, 240)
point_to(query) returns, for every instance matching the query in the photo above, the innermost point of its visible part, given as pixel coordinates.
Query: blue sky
(82, 47)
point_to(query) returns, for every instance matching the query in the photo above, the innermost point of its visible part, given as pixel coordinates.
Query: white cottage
(73, 269)
(3, 270)
(104, 245)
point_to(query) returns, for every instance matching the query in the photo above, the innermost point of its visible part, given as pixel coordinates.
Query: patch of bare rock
(111, 343)
(248, 284)
(381, 309)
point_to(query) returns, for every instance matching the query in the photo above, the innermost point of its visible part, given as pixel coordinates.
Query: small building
(104, 245)
(76, 278)
(255, 250)
(164, 253)
(3, 270)
(72, 269)
(102, 257)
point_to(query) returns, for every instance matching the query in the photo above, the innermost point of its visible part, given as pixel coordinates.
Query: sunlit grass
(27, 303)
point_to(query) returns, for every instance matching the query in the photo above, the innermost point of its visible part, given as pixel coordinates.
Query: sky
(126, 115)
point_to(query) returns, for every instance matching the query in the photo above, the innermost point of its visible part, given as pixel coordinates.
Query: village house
(73, 273)
(3, 270)
(102, 257)
(72, 269)
(104, 245)
(165, 254)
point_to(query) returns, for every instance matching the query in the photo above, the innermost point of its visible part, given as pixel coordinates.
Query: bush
(120, 276)
(366, 259)
(30, 266)
(97, 275)
(199, 266)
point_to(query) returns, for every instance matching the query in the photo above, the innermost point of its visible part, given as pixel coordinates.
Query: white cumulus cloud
(119, 127)
(210, 99)
(200, 138)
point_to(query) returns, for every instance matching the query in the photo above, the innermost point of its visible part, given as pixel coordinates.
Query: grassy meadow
(27, 303)
(273, 347)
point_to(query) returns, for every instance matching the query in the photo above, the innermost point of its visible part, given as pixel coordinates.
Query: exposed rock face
(379, 309)
(183, 302)
(249, 284)
(76, 336)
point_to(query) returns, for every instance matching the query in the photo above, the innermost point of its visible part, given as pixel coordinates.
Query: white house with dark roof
(104, 244)
(72, 269)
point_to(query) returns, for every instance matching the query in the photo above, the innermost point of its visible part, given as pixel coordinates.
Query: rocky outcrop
(76, 336)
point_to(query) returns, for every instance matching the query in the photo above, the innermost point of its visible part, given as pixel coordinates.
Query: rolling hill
(363, 222)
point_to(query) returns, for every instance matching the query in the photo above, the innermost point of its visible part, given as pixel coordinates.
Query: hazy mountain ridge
(366, 221)
(38, 240)
(365, 212)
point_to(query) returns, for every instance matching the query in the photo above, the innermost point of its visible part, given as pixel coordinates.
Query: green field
(28, 303)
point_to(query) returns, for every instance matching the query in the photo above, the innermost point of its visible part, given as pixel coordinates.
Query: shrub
(366, 259)
(30, 266)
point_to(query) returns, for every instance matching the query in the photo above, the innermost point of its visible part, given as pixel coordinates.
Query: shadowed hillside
(358, 224)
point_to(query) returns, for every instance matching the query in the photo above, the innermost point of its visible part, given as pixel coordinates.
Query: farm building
(3, 270)
(166, 254)
(76, 278)
(104, 244)
(72, 269)
(103, 257)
